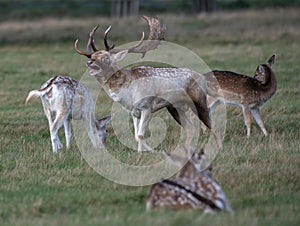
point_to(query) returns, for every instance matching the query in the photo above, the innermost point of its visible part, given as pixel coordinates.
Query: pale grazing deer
(143, 90)
(192, 188)
(250, 93)
(62, 98)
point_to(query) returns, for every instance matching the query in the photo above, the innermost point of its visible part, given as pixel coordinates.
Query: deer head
(101, 128)
(263, 71)
(105, 60)
(193, 166)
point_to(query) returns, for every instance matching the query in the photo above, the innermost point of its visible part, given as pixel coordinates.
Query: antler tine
(91, 48)
(91, 43)
(107, 47)
(156, 30)
(138, 44)
(87, 54)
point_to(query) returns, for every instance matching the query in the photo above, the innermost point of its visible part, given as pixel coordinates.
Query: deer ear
(271, 60)
(102, 122)
(260, 69)
(120, 55)
(174, 159)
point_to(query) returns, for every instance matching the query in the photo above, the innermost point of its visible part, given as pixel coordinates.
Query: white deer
(62, 98)
(250, 93)
(143, 90)
(192, 188)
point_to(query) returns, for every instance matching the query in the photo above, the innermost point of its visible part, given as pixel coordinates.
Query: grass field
(261, 176)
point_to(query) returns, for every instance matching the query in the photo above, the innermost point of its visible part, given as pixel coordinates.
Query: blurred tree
(201, 6)
(124, 8)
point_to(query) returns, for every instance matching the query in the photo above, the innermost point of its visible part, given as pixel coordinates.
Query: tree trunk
(204, 6)
(124, 8)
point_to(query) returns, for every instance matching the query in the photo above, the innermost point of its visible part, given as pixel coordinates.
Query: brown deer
(192, 188)
(62, 98)
(250, 93)
(143, 90)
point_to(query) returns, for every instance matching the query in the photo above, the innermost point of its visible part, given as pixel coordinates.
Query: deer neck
(115, 82)
(107, 74)
(270, 86)
(187, 171)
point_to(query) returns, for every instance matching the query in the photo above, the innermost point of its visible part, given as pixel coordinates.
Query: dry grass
(231, 26)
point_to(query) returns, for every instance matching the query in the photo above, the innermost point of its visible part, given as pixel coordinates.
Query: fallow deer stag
(250, 93)
(62, 98)
(143, 90)
(192, 188)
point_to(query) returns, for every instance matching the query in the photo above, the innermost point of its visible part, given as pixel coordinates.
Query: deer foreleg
(144, 122)
(257, 116)
(247, 120)
(142, 128)
(136, 123)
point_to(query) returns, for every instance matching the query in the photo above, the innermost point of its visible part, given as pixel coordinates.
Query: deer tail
(37, 93)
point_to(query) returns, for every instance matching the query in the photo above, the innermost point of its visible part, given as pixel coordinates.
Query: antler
(91, 48)
(107, 47)
(156, 34)
(91, 43)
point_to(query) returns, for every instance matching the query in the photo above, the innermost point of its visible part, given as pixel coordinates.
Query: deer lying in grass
(143, 90)
(62, 98)
(193, 188)
(250, 93)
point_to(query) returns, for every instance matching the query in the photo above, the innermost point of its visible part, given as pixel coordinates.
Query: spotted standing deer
(62, 98)
(143, 90)
(192, 188)
(250, 93)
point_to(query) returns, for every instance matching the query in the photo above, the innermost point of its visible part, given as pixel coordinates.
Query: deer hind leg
(68, 133)
(203, 113)
(201, 110)
(257, 116)
(247, 120)
(181, 118)
(51, 117)
(57, 124)
(213, 105)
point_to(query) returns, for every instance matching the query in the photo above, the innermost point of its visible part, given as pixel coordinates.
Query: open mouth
(94, 70)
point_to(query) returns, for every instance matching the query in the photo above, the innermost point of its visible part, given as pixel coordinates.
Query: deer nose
(89, 63)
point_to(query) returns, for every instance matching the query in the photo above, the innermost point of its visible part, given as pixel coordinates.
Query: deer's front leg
(136, 115)
(141, 119)
(247, 119)
(136, 123)
(146, 115)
